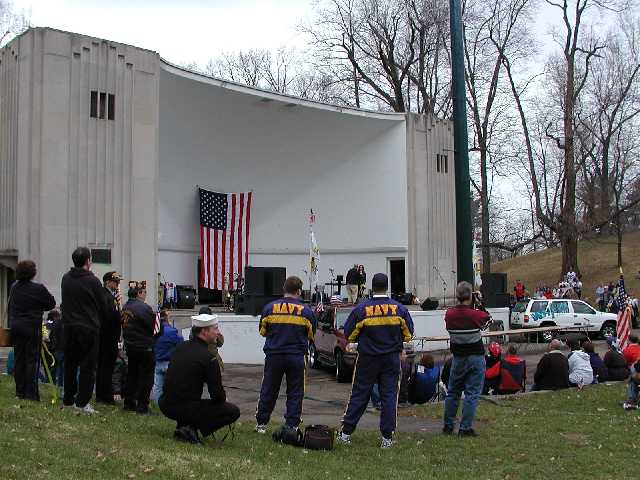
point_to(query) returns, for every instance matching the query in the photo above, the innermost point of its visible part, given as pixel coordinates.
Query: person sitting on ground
(615, 362)
(600, 374)
(492, 372)
(552, 372)
(632, 351)
(513, 373)
(634, 388)
(191, 365)
(163, 350)
(424, 383)
(580, 371)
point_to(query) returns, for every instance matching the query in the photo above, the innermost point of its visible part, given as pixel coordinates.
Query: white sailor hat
(204, 320)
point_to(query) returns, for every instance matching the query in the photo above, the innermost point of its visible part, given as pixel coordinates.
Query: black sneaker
(187, 434)
(467, 433)
(447, 430)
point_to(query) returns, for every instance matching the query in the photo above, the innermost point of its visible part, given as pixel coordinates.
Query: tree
(493, 30)
(12, 22)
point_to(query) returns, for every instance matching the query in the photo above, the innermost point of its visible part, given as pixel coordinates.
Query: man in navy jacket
(380, 325)
(288, 325)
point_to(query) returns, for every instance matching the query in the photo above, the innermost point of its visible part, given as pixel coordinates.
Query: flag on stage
(623, 328)
(225, 219)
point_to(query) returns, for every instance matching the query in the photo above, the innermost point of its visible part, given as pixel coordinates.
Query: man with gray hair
(464, 325)
(552, 372)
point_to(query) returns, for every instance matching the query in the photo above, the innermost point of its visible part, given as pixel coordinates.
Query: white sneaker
(386, 443)
(88, 409)
(629, 406)
(343, 438)
(262, 429)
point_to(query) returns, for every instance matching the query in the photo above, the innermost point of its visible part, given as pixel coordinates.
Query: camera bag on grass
(318, 437)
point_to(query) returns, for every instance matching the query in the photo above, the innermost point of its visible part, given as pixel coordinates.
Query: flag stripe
(232, 239)
(246, 229)
(216, 255)
(203, 258)
(240, 239)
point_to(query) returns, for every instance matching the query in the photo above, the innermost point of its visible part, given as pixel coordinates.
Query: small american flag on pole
(225, 220)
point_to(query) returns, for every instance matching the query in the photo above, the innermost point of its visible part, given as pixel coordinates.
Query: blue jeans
(158, 380)
(633, 392)
(467, 375)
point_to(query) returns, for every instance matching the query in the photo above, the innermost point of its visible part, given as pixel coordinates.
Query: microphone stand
(444, 287)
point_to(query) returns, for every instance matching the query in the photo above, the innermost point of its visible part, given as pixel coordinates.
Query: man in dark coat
(109, 338)
(552, 372)
(140, 328)
(83, 311)
(192, 365)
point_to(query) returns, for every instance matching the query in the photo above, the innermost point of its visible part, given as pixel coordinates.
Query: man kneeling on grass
(190, 366)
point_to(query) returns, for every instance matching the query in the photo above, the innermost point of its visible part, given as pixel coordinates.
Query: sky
(194, 31)
(181, 31)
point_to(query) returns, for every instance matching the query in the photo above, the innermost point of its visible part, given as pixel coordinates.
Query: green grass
(566, 434)
(597, 258)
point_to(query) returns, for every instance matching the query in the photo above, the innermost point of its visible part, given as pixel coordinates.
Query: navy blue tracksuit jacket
(380, 325)
(288, 325)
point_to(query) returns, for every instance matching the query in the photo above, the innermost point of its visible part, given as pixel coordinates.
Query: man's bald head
(555, 344)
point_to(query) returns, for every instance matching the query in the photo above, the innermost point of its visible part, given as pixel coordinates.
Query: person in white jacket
(580, 371)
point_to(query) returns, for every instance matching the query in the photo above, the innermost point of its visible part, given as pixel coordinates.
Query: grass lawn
(566, 434)
(597, 258)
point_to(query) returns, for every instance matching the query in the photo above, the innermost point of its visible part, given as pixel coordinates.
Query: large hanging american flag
(225, 219)
(623, 329)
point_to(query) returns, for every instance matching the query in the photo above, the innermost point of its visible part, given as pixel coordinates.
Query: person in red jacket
(519, 290)
(632, 351)
(513, 373)
(492, 372)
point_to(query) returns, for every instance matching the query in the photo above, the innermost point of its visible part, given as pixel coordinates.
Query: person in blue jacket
(288, 325)
(163, 349)
(379, 325)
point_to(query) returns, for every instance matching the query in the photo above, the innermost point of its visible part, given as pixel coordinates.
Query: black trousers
(139, 380)
(275, 366)
(80, 352)
(204, 415)
(108, 352)
(26, 351)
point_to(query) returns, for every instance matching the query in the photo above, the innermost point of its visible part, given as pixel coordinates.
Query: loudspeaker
(252, 304)
(274, 278)
(430, 304)
(493, 284)
(186, 296)
(254, 280)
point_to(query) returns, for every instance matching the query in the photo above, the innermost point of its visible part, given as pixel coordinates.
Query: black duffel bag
(318, 437)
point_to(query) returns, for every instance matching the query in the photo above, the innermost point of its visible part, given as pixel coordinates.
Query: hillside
(597, 259)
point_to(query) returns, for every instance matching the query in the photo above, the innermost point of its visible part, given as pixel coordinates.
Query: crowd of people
(130, 353)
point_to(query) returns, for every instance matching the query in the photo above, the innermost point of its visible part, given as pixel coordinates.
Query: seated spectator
(600, 373)
(164, 347)
(513, 373)
(632, 351)
(634, 384)
(492, 371)
(424, 383)
(552, 372)
(615, 362)
(580, 371)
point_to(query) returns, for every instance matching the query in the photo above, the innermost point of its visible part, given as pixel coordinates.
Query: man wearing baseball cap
(380, 325)
(192, 365)
(109, 337)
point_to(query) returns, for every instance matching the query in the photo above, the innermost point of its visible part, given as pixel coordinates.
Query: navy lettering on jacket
(380, 325)
(288, 325)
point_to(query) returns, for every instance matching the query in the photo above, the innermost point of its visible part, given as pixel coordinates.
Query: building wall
(431, 206)
(350, 168)
(81, 180)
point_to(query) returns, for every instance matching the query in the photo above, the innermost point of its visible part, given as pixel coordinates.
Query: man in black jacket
(552, 372)
(140, 328)
(109, 338)
(191, 365)
(83, 311)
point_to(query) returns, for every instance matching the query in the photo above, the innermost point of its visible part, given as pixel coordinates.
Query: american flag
(623, 329)
(225, 219)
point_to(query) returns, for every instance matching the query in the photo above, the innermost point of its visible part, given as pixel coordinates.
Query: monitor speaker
(252, 304)
(274, 278)
(430, 304)
(186, 296)
(493, 284)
